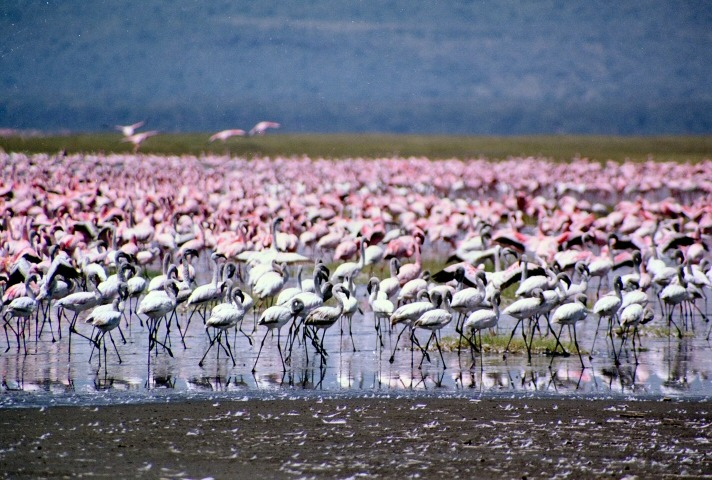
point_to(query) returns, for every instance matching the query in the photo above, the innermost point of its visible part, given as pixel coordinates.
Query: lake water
(667, 367)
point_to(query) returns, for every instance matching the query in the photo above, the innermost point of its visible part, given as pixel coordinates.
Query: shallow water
(667, 367)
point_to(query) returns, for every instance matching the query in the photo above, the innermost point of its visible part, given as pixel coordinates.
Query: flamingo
(79, 302)
(434, 320)
(223, 317)
(324, 317)
(525, 308)
(106, 318)
(481, 320)
(391, 286)
(350, 306)
(204, 294)
(223, 135)
(261, 127)
(675, 294)
(409, 291)
(632, 316)
(128, 130)
(568, 315)
(409, 313)
(380, 304)
(286, 295)
(350, 269)
(275, 317)
(468, 299)
(410, 271)
(158, 281)
(156, 305)
(270, 283)
(601, 266)
(607, 306)
(138, 138)
(22, 309)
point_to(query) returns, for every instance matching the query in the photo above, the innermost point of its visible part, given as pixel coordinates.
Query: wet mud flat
(426, 437)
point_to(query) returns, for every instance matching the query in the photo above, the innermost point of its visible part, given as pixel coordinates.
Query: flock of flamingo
(532, 246)
(132, 135)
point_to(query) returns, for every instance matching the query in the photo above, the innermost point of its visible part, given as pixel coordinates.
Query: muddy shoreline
(350, 437)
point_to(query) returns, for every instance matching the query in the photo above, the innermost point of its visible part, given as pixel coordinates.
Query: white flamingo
(261, 127)
(434, 320)
(568, 315)
(128, 130)
(224, 316)
(276, 317)
(223, 135)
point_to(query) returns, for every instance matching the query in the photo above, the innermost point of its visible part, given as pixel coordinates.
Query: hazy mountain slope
(463, 67)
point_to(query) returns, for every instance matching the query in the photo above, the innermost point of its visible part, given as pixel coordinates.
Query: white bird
(380, 304)
(632, 280)
(525, 308)
(158, 281)
(22, 309)
(390, 286)
(577, 288)
(138, 138)
(607, 306)
(261, 127)
(266, 256)
(468, 299)
(323, 317)
(374, 255)
(106, 318)
(675, 294)
(409, 313)
(78, 302)
(203, 294)
(275, 317)
(350, 304)
(286, 295)
(434, 320)
(482, 320)
(270, 283)
(136, 286)
(602, 265)
(109, 288)
(410, 289)
(128, 130)
(634, 296)
(156, 305)
(543, 282)
(568, 315)
(224, 316)
(633, 316)
(225, 134)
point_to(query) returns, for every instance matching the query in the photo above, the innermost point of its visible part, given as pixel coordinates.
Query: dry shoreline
(348, 437)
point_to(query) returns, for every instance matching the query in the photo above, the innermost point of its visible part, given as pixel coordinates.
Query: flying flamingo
(225, 134)
(128, 130)
(262, 127)
(138, 138)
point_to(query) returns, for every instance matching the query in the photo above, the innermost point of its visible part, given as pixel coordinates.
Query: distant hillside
(322, 66)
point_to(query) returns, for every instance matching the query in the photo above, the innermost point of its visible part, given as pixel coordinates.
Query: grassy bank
(562, 148)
